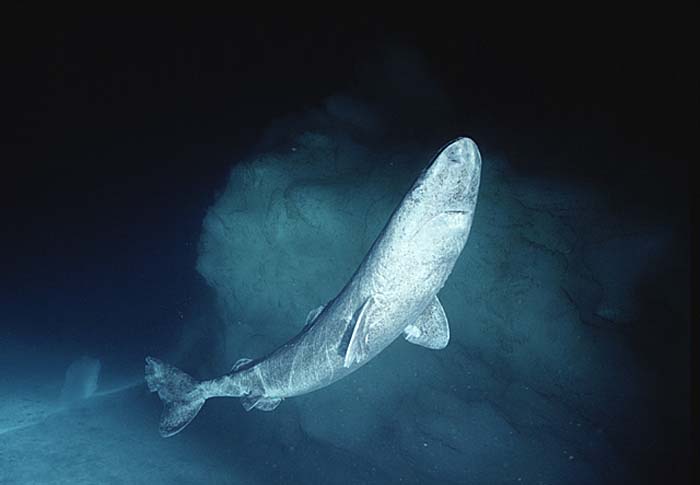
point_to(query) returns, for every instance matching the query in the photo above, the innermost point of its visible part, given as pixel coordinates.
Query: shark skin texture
(392, 293)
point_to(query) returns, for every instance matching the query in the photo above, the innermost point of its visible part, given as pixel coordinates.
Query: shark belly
(308, 364)
(317, 358)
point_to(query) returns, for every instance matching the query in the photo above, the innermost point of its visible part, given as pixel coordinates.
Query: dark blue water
(193, 195)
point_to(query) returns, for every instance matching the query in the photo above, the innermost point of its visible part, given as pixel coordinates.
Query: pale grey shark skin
(393, 291)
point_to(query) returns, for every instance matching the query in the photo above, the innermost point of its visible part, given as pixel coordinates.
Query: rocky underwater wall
(544, 362)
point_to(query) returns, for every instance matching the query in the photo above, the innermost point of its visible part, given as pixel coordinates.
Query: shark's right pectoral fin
(431, 329)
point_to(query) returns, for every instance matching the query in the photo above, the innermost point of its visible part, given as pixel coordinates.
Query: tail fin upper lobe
(181, 396)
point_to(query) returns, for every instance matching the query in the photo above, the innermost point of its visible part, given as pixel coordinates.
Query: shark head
(432, 223)
(447, 189)
(445, 198)
(451, 181)
(429, 229)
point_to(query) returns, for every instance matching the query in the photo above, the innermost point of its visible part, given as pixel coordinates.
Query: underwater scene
(349, 252)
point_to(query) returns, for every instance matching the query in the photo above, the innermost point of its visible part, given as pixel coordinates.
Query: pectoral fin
(358, 348)
(431, 329)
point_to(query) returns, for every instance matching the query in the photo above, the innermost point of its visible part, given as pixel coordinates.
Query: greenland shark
(393, 292)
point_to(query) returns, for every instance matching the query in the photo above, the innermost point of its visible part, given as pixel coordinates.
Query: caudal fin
(181, 396)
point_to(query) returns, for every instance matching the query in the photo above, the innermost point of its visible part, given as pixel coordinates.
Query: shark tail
(181, 395)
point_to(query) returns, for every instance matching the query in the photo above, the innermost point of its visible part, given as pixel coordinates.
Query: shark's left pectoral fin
(431, 330)
(358, 348)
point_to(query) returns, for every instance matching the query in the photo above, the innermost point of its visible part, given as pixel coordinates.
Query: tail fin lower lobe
(180, 393)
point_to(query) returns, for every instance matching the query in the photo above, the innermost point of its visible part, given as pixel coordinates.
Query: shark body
(393, 292)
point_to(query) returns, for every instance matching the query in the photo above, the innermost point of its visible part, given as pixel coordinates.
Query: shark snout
(462, 151)
(453, 178)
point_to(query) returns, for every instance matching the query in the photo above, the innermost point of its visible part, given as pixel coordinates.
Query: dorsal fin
(311, 316)
(240, 363)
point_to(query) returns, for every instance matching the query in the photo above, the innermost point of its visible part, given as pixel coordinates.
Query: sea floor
(112, 438)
